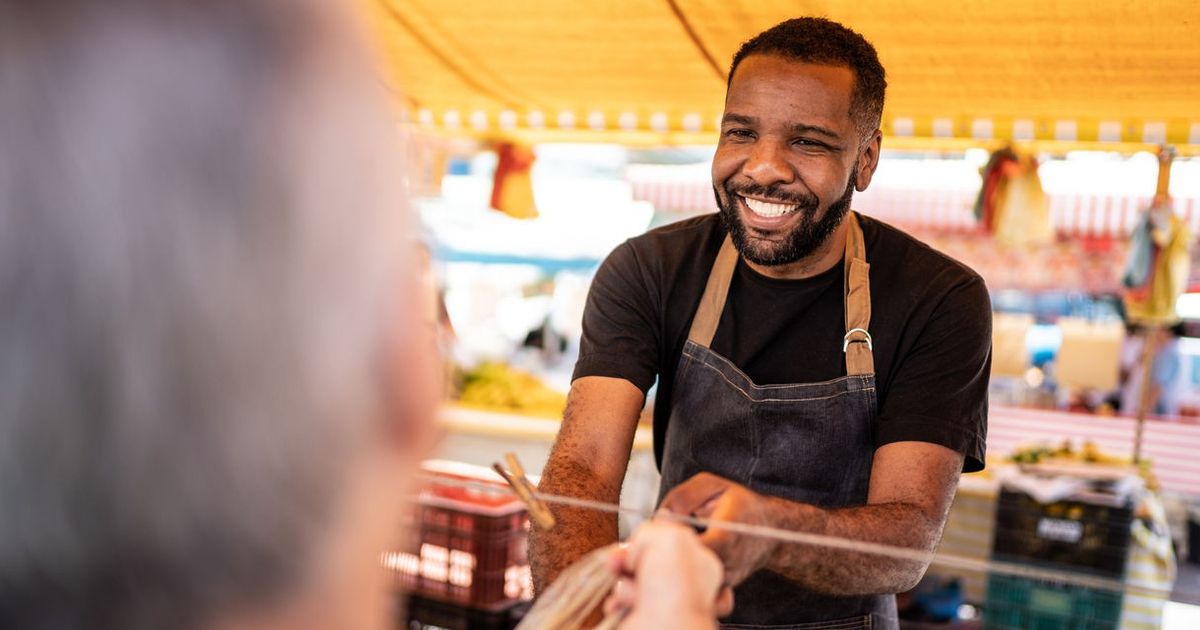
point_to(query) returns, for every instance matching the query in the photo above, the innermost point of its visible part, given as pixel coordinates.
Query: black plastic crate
(1018, 603)
(428, 614)
(1079, 536)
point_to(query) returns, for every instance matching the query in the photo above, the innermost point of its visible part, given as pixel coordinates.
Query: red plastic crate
(471, 543)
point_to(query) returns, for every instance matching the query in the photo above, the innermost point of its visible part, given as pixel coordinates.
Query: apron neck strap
(856, 345)
(708, 314)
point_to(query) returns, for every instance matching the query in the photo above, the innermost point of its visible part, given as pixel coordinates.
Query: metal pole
(1149, 348)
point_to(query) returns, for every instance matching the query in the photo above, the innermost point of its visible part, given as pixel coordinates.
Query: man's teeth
(764, 209)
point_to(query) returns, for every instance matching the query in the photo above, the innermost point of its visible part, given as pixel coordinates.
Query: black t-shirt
(931, 325)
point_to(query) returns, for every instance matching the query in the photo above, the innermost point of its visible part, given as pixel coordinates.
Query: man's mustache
(774, 194)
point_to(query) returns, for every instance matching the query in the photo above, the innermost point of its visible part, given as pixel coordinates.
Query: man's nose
(768, 165)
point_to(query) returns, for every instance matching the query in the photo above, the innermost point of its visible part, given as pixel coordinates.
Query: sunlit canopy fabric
(1068, 70)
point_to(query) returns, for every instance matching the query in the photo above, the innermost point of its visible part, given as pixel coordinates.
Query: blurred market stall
(1023, 138)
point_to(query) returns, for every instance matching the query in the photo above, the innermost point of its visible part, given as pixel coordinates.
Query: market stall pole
(1153, 328)
(1149, 347)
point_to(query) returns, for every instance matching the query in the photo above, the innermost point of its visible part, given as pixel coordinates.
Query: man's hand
(912, 485)
(709, 496)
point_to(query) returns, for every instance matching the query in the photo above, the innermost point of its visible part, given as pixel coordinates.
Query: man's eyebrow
(800, 128)
(739, 119)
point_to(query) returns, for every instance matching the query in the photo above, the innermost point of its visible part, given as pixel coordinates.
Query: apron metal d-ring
(846, 340)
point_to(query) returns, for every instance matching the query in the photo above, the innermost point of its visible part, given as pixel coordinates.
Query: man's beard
(805, 237)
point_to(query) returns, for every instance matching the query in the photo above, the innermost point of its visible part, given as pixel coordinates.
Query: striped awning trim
(1073, 215)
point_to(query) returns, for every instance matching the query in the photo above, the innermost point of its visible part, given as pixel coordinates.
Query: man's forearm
(843, 572)
(588, 461)
(577, 531)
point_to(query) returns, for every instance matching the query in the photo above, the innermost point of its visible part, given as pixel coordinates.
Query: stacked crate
(1086, 535)
(429, 614)
(469, 553)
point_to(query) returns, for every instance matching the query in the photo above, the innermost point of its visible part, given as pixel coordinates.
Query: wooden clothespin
(525, 491)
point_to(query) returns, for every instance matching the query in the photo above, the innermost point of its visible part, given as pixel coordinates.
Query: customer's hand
(668, 580)
(708, 496)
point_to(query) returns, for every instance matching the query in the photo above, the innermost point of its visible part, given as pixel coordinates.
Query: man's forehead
(778, 85)
(779, 67)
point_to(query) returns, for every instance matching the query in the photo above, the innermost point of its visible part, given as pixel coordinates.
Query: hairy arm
(912, 486)
(588, 461)
(934, 416)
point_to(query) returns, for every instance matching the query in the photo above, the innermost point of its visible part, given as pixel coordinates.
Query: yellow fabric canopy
(1066, 70)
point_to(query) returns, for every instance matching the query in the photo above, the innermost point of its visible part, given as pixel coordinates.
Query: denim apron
(806, 442)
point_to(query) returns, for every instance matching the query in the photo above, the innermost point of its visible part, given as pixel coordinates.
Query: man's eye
(808, 144)
(739, 133)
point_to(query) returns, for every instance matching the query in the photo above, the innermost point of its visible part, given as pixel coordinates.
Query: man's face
(789, 157)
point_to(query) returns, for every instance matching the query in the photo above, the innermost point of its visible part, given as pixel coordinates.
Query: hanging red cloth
(994, 174)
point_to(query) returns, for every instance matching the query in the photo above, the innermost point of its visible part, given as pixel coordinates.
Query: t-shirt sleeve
(939, 391)
(620, 328)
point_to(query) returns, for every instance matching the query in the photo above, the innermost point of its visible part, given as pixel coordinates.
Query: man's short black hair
(818, 40)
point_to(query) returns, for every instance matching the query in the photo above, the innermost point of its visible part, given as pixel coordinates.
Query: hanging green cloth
(1153, 301)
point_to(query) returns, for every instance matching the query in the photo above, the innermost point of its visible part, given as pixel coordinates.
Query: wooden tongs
(539, 512)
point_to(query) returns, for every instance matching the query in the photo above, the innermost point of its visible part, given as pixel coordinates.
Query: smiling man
(817, 370)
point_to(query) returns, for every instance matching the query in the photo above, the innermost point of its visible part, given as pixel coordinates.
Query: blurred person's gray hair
(200, 254)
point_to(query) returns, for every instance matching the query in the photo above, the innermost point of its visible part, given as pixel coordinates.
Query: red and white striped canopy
(949, 211)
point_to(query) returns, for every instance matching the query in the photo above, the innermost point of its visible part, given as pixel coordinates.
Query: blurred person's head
(212, 387)
(799, 135)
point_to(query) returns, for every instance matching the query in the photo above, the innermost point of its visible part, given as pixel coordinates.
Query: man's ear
(868, 160)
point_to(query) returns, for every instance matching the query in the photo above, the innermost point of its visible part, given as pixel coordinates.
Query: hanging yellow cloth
(1022, 212)
(1171, 240)
(512, 186)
